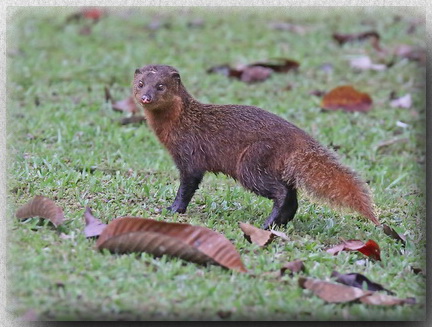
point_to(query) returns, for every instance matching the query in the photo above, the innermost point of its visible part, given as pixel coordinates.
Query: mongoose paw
(176, 209)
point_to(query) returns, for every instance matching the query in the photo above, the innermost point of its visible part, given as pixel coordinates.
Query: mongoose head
(156, 86)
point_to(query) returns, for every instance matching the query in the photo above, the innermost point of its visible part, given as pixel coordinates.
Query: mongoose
(265, 153)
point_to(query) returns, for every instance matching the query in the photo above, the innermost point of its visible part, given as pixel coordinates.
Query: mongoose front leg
(188, 185)
(283, 209)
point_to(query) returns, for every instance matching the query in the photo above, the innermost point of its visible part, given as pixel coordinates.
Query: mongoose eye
(140, 84)
(160, 87)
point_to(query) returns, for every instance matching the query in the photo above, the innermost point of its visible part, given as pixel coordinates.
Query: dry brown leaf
(384, 299)
(293, 266)
(357, 280)
(43, 207)
(392, 233)
(193, 243)
(347, 98)
(94, 226)
(332, 292)
(256, 235)
(254, 74)
(338, 293)
(127, 105)
(260, 236)
(365, 63)
(402, 102)
(373, 35)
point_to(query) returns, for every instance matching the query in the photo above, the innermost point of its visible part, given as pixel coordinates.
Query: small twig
(390, 142)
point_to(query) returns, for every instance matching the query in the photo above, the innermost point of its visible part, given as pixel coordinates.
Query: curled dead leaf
(393, 234)
(94, 226)
(358, 280)
(293, 266)
(260, 236)
(256, 72)
(365, 63)
(384, 299)
(345, 38)
(338, 293)
(193, 243)
(347, 98)
(42, 207)
(402, 102)
(332, 292)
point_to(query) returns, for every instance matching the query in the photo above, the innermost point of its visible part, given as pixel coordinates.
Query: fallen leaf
(136, 119)
(43, 207)
(384, 299)
(281, 65)
(293, 266)
(345, 38)
(318, 93)
(347, 98)
(193, 243)
(358, 280)
(411, 53)
(365, 63)
(260, 236)
(29, 315)
(402, 102)
(417, 270)
(256, 235)
(94, 227)
(254, 74)
(283, 26)
(393, 234)
(126, 105)
(224, 314)
(370, 248)
(332, 292)
(225, 70)
(92, 13)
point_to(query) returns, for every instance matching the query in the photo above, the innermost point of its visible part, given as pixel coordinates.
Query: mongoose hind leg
(283, 211)
(255, 173)
(188, 185)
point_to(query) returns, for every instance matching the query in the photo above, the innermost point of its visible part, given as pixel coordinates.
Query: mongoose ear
(137, 71)
(176, 76)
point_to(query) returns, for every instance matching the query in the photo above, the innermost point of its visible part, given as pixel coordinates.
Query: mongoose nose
(146, 98)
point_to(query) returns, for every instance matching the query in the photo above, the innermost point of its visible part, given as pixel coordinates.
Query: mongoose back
(263, 152)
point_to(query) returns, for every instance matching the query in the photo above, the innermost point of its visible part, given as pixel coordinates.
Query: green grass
(52, 147)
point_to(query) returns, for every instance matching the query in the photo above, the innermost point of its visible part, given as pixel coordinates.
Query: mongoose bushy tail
(318, 172)
(263, 152)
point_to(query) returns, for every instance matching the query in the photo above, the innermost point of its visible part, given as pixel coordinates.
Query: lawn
(65, 142)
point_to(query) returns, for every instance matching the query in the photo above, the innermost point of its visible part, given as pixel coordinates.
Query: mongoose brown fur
(266, 154)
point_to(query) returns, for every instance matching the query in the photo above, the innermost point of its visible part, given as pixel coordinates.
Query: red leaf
(370, 249)
(92, 13)
(347, 98)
